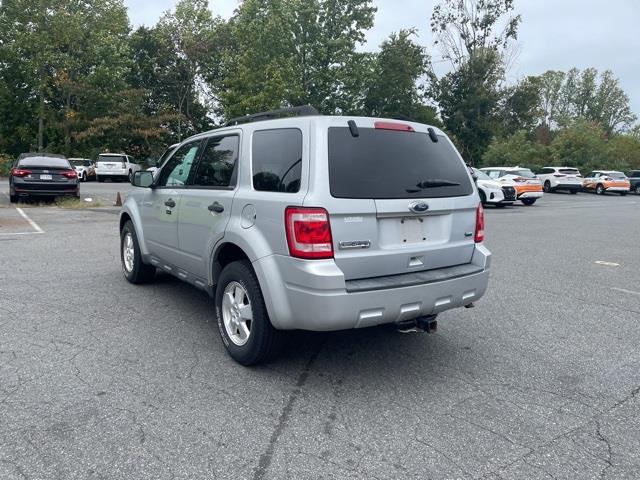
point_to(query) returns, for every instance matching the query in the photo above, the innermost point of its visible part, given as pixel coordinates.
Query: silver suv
(311, 222)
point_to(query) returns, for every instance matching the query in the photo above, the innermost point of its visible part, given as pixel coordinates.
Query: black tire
(637, 189)
(573, 192)
(13, 198)
(599, 189)
(130, 177)
(264, 342)
(623, 194)
(99, 179)
(529, 201)
(483, 197)
(501, 205)
(140, 271)
(547, 186)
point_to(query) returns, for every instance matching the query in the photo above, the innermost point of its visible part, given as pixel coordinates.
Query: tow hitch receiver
(426, 324)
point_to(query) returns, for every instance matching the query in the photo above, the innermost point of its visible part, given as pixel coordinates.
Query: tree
(581, 145)
(584, 95)
(468, 99)
(623, 152)
(463, 28)
(520, 107)
(71, 57)
(293, 52)
(518, 149)
(393, 90)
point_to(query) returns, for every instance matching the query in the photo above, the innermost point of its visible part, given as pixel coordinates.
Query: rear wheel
(600, 190)
(547, 186)
(134, 269)
(13, 198)
(622, 194)
(130, 176)
(242, 316)
(99, 179)
(637, 189)
(501, 205)
(529, 201)
(573, 192)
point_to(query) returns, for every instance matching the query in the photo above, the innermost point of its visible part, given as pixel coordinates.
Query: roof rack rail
(301, 111)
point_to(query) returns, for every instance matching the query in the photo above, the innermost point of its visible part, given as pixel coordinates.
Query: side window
(176, 171)
(217, 167)
(494, 174)
(277, 160)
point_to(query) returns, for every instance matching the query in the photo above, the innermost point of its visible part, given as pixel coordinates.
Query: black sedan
(42, 176)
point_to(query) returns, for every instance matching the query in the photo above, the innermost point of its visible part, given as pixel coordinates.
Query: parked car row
(502, 186)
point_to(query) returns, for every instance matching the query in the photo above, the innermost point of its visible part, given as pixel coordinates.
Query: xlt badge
(355, 244)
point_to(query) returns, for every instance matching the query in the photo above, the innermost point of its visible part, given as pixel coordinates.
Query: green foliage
(623, 152)
(516, 150)
(5, 165)
(469, 101)
(293, 52)
(581, 145)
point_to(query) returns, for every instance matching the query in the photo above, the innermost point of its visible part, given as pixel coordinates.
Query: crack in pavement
(265, 459)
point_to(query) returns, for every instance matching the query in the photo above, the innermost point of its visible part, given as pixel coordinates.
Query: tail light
(19, 172)
(70, 174)
(479, 234)
(308, 232)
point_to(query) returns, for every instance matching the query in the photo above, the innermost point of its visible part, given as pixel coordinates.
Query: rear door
(161, 204)
(404, 202)
(205, 205)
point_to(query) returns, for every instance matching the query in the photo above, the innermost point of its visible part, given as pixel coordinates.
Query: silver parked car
(311, 222)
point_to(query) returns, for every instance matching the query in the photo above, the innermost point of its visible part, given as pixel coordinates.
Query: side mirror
(142, 179)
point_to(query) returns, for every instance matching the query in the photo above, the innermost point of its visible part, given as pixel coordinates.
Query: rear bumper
(112, 173)
(313, 295)
(44, 189)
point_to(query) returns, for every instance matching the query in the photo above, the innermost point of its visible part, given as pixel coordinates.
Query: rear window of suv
(112, 158)
(387, 164)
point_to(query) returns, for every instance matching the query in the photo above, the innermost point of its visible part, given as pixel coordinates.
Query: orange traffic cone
(118, 201)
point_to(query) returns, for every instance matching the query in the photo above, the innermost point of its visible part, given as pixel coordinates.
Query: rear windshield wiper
(432, 183)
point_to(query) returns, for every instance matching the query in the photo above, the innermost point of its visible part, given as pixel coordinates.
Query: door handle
(216, 207)
(170, 203)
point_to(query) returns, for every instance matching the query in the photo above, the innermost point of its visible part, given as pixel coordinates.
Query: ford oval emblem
(418, 207)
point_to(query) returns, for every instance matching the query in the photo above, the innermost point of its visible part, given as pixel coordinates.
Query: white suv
(115, 165)
(560, 178)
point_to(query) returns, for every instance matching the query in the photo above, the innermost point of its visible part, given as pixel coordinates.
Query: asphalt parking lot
(103, 380)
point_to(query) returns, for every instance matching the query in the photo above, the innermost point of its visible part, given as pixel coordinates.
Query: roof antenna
(433, 135)
(353, 128)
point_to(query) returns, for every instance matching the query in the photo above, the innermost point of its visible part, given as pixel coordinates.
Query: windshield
(616, 175)
(522, 172)
(79, 163)
(49, 162)
(481, 175)
(387, 164)
(111, 158)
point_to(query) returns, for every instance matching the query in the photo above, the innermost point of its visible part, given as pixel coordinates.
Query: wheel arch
(224, 254)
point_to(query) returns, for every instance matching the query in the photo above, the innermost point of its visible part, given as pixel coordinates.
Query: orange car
(528, 187)
(602, 181)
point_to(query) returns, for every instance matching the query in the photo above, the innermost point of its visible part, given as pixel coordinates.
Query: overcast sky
(554, 34)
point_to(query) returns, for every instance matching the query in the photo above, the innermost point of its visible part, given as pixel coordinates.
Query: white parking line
(624, 290)
(33, 224)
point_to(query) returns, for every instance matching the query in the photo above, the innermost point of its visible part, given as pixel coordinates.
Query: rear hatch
(403, 202)
(569, 175)
(111, 162)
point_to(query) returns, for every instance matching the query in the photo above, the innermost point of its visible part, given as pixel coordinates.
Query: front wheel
(600, 190)
(573, 192)
(243, 321)
(134, 269)
(529, 201)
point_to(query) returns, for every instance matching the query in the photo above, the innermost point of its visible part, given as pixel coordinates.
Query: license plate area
(46, 177)
(397, 232)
